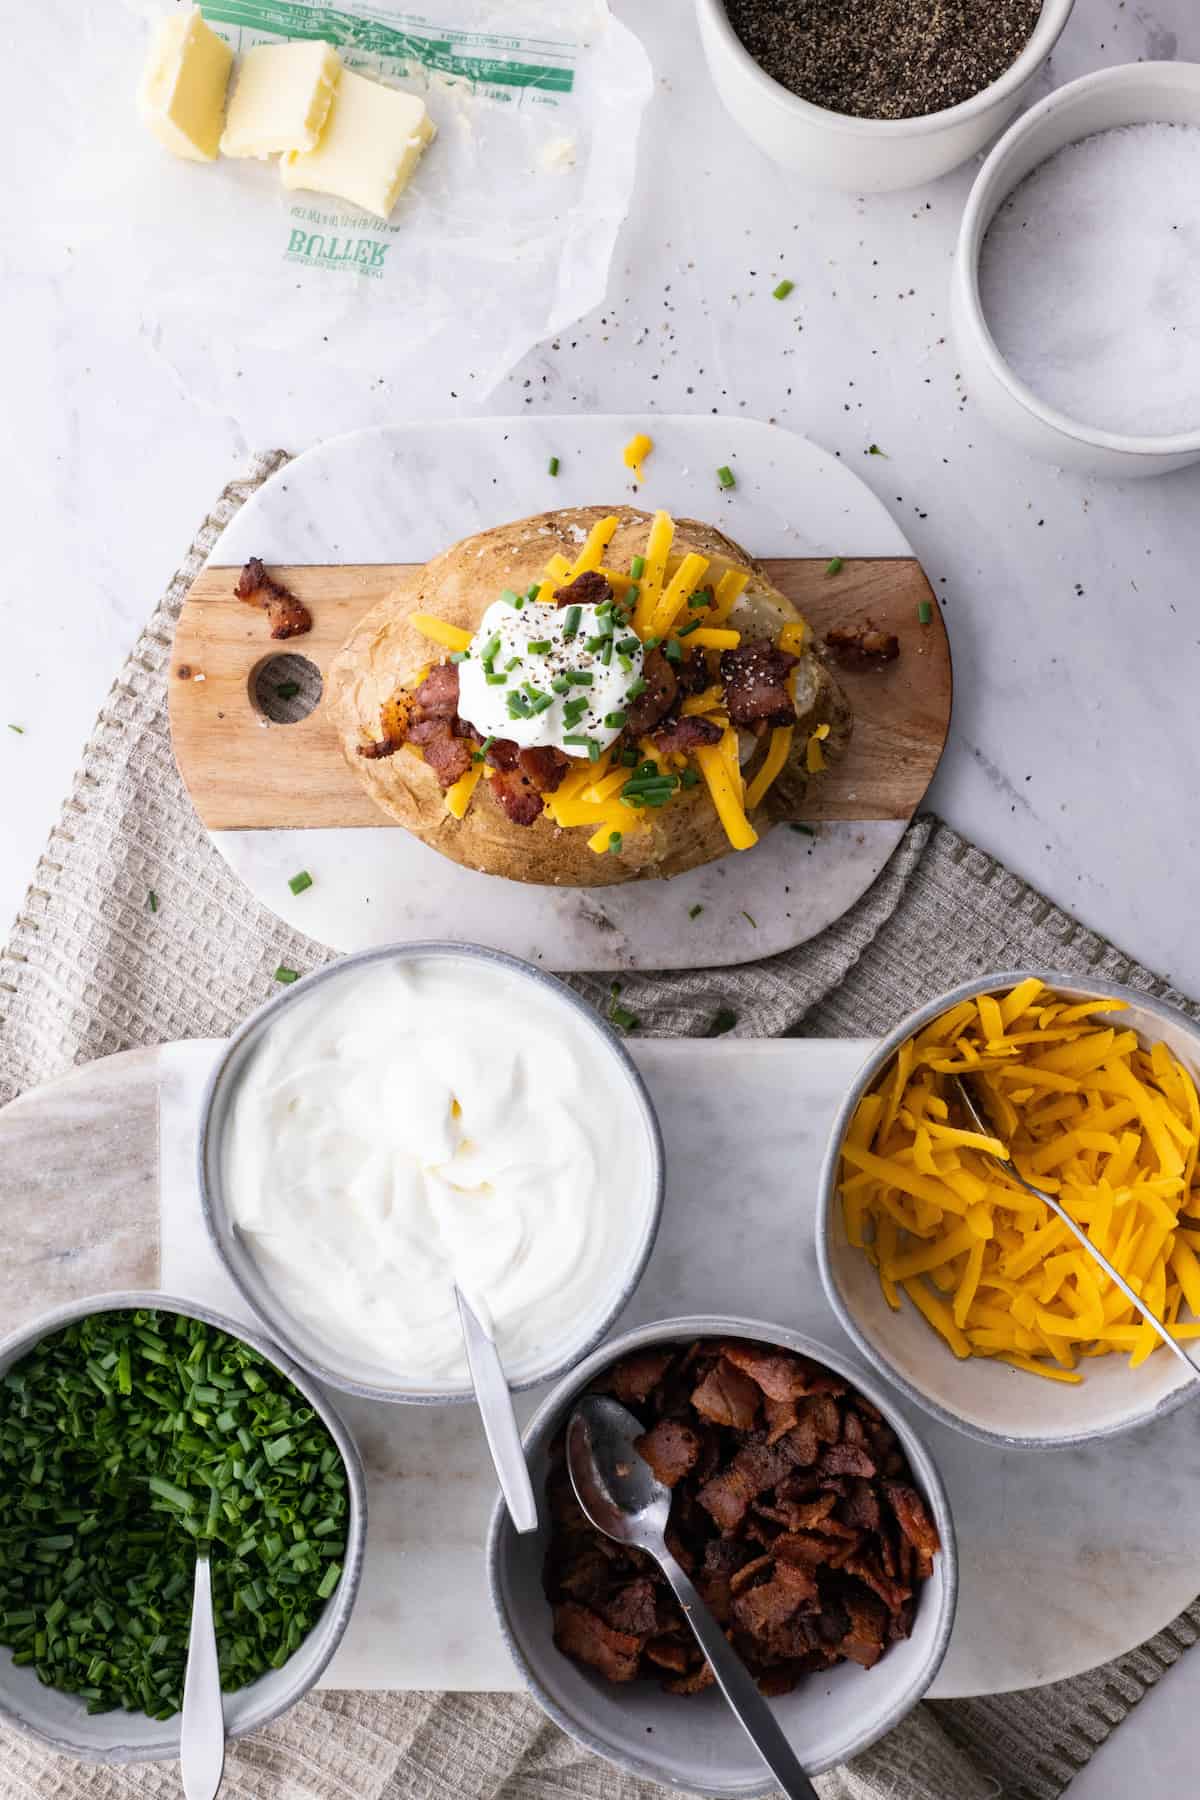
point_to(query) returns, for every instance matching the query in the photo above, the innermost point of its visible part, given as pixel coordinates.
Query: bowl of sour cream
(421, 1116)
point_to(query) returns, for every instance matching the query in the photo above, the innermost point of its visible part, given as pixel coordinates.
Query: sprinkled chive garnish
(628, 758)
(571, 622)
(635, 688)
(543, 704)
(124, 1440)
(539, 646)
(689, 778)
(606, 650)
(495, 678)
(286, 976)
(518, 706)
(299, 882)
(533, 590)
(19, 729)
(626, 662)
(702, 597)
(672, 652)
(753, 923)
(615, 840)
(480, 755)
(514, 662)
(595, 643)
(287, 690)
(516, 601)
(580, 677)
(456, 656)
(722, 1021)
(695, 911)
(553, 465)
(637, 567)
(924, 612)
(652, 643)
(804, 830)
(632, 595)
(491, 649)
(538, 697)
(687, 630)
(620, 1015)
(561, 685)
(627, 645)
(835, 565)
(152, 900)
(573, 711)
(783, 290)
(613, 721)
(590, 744)
(874, 450)
(725, 476)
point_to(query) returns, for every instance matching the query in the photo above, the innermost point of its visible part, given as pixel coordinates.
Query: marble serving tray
(1068, 1558)
(398, 494)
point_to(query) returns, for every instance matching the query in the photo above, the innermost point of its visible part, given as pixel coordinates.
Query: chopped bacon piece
(861, 1506)
(447, 755)
(912, 1517)
(437, 695)
(581, 1633)
(380, 747)
(727, 1397)
(671, 1448)
(771, 1603)
(503, 754)
(634, 1608)
(635, 1376)
(682, 735)
(812, 1548)
(692, 1684)
(652, 706)
(780, 1415)
(862, 646)
(669, 1653)
(846, 1459)
(516, 795)
(545, 767)
(779, 1373)
(869, 1571)
(589, 589)
(692, 673)
(754, 1469)
(756, 685)
(287, 616)
(750, 1572)
(863, 1643)
(800, 1515)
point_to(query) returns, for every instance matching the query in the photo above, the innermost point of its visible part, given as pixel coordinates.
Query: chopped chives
(652, 643)
(635, 688)
(620, 1015)
(514, 662)
(672, 652)
(596, 643)
(629, 758)
(874, 450)
(19, 729)
(539, 646)
(491, 649)
(615, 840)
(606, 650)
(553, 465)
(561, 685)
(533, 590)
(637, 567)
(689, 778)
(702, 597)
(480, 755)
(571, 622)
(516, 601)
(518, 706)
(580, 677)
(725, 476)
(925, 612)
(299, 882)
(613, 721)
(687, 630)
(835, 565)
(287, 690)
(804, 830)
(695, 911)
(152, 900)
(783, 290)
(627, 645)
(495, 678)
(286, 975)
(460, 656)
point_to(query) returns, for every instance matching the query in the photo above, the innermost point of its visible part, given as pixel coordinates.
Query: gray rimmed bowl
(295, 1336)
(62, 1720)
(990, 1400)
(693, 1742)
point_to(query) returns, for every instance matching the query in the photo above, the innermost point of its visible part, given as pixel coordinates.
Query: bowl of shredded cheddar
(965, 1289)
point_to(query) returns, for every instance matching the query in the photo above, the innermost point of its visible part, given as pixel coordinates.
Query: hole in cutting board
(286, 688)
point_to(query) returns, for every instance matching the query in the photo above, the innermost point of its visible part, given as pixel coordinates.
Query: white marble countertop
(1070, 603)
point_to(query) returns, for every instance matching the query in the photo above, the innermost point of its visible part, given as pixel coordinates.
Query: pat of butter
(371, 144)
(182, 95)
(281, 99)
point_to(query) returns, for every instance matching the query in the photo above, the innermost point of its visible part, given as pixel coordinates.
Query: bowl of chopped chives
(962, 1288)
(132, 1427)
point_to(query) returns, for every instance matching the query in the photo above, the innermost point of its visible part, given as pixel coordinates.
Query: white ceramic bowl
(297, 1338)
(863, 156)
(990, 1400)
(62, 1720)
(1133, 94)
(693, 1742)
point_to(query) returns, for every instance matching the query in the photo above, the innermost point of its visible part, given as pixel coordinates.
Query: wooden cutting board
(242, 776)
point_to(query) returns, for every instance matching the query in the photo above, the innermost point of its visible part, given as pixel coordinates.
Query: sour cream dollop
(533, 648)
(412, 1124)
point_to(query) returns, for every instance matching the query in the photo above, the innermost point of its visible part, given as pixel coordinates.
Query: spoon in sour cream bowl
(500, 1426)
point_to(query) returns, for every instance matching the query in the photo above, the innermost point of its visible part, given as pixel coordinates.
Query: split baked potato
(728, 713)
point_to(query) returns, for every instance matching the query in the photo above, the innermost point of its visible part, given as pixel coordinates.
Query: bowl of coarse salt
(1076, 286)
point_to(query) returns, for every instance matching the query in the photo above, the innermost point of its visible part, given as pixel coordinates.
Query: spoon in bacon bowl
(588, 697)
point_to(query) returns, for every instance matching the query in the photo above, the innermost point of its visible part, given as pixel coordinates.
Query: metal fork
(981, 1123)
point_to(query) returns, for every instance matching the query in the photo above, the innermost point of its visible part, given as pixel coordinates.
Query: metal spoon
(499, 1420)
(980, 1122)
(202, 1732)
(624, 1499)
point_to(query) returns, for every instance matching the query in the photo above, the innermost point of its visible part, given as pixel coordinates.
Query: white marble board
(401, 493)
(1068, 1558)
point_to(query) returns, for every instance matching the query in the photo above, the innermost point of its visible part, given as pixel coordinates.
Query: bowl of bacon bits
(808, 1514)
(957, 1283)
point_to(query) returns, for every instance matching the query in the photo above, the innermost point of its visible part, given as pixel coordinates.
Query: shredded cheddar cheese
(728, 591)
(777, 754)
(685, 581)
(598, 540)
(715, 766)
(635, 453)
(658, 548)
(1087, 1112)
(708, 639)
(458, 797)
(451, 637)
(814, 755)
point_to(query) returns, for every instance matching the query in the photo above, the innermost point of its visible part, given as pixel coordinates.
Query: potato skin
(385, 652)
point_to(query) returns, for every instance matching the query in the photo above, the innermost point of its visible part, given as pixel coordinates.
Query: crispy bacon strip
(682, 735)
(756, 686)
(862, 646)
(653, 705)
(588, 589)
(287, 616)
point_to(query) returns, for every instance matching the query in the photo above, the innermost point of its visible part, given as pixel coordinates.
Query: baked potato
(708, 742)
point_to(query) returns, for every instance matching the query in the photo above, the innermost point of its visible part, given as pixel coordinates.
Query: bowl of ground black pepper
(871, 95)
